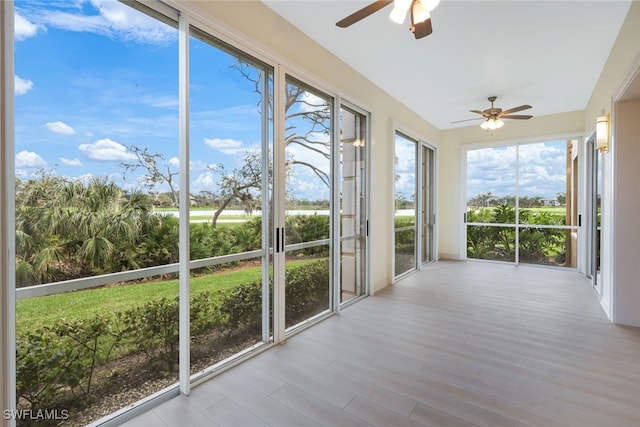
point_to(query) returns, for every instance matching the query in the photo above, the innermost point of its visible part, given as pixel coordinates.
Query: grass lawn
(34, 313)
(554, 210)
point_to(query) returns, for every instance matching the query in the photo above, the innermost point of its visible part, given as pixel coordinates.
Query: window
(519, 203)
(96, 131)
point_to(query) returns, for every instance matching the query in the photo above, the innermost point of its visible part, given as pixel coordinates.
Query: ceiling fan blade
(362, 13)
(422, 29)
(477, 112)
(468, 120)
(516, 109)
(516, 116)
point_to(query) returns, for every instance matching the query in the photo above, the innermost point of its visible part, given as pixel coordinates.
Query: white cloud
(204, 181)
(111, 18)
(60, 128)
(29, 159)
(22, 86)
(310, 102)
(541, 170)
(23, 28)
(70, 162)
(198, 165)
(225, 145)
(194, 165)
(106, 150)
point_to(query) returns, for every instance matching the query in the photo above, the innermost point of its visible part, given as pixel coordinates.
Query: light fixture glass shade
(602, 133)
(397, 15)
(492, 124)
(402, 4)
(430, 4)
(420, 14)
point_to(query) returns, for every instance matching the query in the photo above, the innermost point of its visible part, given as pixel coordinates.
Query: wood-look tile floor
(458, 344)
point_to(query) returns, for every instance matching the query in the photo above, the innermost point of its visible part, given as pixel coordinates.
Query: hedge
(57, 363)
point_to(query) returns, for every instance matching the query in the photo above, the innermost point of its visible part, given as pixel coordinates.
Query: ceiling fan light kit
(493, 116)
(419, 10)
(491, 124)
(398, 15)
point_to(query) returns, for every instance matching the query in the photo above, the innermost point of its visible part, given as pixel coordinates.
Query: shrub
(153, 328)
(242, 306)
(58, 362)
(306, 293)
(205, 314)
(60, 358)
(306, 290)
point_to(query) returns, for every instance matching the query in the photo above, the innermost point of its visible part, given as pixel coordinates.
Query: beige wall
(623, 54)
(619, 283)
(626, 212)
(285, 43)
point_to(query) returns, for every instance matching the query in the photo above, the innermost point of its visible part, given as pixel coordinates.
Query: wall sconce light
(602, 133)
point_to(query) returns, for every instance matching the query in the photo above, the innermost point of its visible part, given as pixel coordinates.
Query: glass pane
(308, 125)
(491, 185)
(545, 198)
(495, 243)
(598, 202)
(96, 138)
(545, 246)
(78, 350)
(352, 204)
(405, 204)
(491, 198)
(229, 141)
(96, 141)
(428, 205)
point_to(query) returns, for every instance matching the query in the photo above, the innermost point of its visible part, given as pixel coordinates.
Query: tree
(239, 184)
(67, 229)
(561, 198)
(158, 170)
(307, 117)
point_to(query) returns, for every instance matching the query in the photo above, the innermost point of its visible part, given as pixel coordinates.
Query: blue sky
(94, 77)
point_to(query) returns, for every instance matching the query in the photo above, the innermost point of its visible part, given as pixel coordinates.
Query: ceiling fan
(493, 116)
(420, 19)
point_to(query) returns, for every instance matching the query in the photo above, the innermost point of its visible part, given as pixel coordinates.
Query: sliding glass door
(594, 213)
(308, 148)
(414, 214)
(230, 172)
(405, 220)
(427, 204)
(353, 202)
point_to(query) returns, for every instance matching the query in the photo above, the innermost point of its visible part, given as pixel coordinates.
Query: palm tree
(67, 228)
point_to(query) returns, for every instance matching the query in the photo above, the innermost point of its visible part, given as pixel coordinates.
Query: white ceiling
(548, 54)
